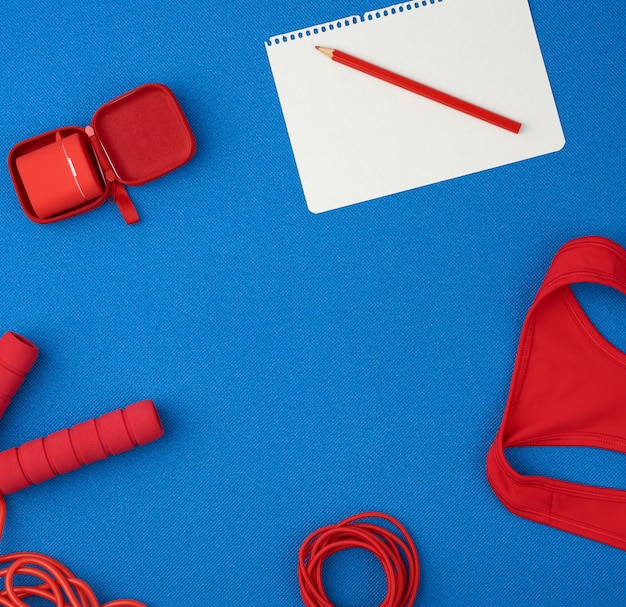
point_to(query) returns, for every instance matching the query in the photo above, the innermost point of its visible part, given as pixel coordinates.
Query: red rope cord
(396, 553)
(58, 584)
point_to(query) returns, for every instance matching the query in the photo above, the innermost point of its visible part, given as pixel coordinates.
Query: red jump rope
(65, 450)
(43, 458)
(396, 553)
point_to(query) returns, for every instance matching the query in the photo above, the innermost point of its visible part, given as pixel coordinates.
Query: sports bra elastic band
(568, 389)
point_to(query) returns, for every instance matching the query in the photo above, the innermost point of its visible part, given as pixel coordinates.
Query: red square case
(132, 139)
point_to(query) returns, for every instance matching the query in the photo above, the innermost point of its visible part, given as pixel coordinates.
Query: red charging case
(132, 139)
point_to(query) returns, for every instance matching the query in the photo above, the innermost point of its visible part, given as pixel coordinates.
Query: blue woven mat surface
(306, 367)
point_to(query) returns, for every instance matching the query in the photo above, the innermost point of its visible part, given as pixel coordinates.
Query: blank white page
(356, 137)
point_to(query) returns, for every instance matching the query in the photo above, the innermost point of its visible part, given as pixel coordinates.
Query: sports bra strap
(568, 388)
(589, 259)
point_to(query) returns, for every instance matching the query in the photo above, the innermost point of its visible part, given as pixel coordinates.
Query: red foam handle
(17, 356)
(43, 458)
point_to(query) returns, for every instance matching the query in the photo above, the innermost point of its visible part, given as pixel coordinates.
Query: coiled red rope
(58, 584)
(396, 553)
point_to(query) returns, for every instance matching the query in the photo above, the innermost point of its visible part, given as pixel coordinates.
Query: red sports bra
(568, 389)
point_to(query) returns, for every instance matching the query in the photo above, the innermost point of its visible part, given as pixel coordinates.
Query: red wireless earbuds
(60, 175)
(43, 458)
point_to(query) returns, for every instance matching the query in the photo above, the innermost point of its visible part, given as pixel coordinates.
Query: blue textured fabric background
(306, 367)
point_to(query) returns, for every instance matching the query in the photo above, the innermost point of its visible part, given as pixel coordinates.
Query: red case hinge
(117, 191)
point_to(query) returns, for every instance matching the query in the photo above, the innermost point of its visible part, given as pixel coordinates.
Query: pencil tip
(325, 51)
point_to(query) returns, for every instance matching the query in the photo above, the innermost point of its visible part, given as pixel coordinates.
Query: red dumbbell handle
(17, 356)
(43, 458)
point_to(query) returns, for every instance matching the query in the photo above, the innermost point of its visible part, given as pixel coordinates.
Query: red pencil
(421, 89)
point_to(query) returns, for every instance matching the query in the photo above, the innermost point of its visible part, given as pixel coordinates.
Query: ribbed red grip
(17, 356)
(69, 449)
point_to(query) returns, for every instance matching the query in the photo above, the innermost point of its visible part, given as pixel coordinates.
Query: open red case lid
(144, 134)
(135, 138)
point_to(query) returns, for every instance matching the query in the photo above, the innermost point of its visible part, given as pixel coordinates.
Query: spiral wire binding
(59, 586)
(346, 22)
(396, 553)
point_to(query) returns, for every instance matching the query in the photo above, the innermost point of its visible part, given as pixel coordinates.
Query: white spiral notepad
(357, 138)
